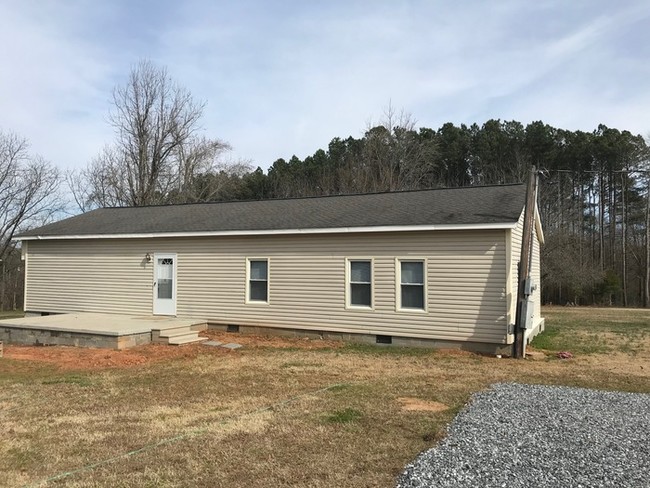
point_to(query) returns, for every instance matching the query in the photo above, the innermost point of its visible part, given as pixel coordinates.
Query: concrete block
(199, 327)
(219, 327)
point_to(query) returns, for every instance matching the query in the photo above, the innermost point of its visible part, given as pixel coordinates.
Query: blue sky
(283, 78)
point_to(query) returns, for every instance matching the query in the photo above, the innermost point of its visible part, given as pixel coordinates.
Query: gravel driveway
(541, 436)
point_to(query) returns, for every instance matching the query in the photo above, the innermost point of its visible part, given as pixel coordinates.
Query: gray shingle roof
(470, 205)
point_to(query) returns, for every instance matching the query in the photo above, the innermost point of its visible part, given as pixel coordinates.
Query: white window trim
(268, 281)
(398, 284)
(348, 275)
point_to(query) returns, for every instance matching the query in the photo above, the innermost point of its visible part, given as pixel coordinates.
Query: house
(431, 267)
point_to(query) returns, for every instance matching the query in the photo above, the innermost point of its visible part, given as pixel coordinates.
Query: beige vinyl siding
(535, 271)
(88, 276)
(466, 276)
(515, 250)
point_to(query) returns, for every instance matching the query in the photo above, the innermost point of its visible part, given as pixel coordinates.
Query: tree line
(594, 196)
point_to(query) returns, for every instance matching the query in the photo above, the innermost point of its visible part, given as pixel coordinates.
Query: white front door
(164, 285)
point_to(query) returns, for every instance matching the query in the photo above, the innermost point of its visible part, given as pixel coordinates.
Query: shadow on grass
(386, 350)
(344, 416)
(68, 379)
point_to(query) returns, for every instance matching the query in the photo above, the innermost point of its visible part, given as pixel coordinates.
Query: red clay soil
(271, 341)
(83, 358)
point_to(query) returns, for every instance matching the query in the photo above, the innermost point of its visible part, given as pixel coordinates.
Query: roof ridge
(312, 197)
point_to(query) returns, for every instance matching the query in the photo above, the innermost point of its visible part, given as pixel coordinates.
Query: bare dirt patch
(252, 340)
(534, 355)
(84, 358)
(419, 405)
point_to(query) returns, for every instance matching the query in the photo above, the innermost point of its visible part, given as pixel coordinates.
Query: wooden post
(519, 349)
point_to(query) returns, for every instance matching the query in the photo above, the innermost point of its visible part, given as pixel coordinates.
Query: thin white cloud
(284, 78)
(54, 90)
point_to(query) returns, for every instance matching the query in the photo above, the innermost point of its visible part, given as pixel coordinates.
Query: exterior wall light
(147, 257)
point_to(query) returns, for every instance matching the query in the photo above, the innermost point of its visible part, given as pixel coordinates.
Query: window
(360, 283)
(411, 277)
(258, 280)
(165, 277)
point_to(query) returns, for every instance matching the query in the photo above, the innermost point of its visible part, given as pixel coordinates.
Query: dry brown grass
(235, 425)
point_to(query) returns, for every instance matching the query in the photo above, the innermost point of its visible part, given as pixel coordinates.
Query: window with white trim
(412, 288)
(360, 283)
(258, 280)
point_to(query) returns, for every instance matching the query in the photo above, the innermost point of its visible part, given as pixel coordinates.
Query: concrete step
(185, 334)
(170, 331)
(199, 326)
(177, 333)
(190, 338)
(162, 333)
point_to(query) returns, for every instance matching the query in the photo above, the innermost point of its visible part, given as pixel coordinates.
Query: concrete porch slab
(91, 329)
(100, 323)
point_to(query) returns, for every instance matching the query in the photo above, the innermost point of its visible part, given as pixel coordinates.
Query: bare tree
(101, 183)
(395, 155)
(157, 150)
(28, 188)
(28, 193)
(202, 174)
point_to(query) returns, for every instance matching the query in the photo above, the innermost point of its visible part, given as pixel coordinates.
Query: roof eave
(333, 230)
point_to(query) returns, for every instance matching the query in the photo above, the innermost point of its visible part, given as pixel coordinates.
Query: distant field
(279, 412)
(10, 314)
(588, 330)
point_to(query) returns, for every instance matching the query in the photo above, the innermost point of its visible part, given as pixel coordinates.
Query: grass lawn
(277, 413)
(11, 314)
